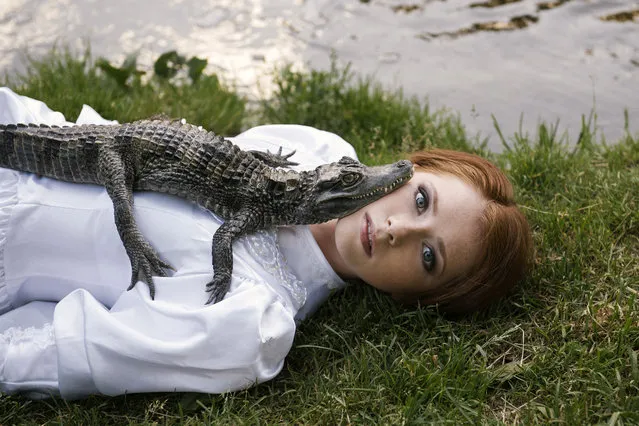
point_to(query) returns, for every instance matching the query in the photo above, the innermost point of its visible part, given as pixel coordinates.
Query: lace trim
(263, 245)
(8, 199)
(40, 338)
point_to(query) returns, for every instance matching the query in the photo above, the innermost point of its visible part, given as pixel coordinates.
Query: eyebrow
(434, 192)
(442, 250)
(441, 247)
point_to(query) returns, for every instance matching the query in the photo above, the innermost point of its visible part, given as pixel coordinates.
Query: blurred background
(520, 60)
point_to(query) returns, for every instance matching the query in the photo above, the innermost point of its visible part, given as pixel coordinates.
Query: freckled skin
(401, 232)
(246, 188)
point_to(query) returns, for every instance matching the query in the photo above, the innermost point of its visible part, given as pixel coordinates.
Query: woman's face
(416, 238)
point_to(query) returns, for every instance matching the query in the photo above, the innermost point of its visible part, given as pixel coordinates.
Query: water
(547, 60)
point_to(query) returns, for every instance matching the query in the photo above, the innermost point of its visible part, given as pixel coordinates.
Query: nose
(401, 229)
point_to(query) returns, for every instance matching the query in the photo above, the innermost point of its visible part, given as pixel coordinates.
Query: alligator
(249, 190)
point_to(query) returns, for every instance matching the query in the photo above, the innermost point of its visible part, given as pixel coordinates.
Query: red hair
(506, 243)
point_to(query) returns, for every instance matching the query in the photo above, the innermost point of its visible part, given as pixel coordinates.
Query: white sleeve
(15, 108)
(21, 109)
(142, 345)
(312, 146)
(28, 356)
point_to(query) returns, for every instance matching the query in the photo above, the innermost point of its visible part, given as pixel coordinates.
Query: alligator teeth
(385, 189)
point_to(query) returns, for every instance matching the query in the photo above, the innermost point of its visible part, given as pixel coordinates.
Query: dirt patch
(547, 5)
(406, 8)
(629, 16)
(515, 23)
(494, 3)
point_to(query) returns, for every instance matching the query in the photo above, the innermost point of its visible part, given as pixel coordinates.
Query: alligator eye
(350, 178)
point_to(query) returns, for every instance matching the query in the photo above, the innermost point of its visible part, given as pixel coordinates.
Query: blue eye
(421, 199)
(428, 258)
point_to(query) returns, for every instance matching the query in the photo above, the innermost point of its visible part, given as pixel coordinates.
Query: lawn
(561, 349)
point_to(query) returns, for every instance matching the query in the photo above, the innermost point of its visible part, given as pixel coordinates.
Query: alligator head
(346, 186)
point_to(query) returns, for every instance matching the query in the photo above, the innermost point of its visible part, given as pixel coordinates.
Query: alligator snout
(401, 164)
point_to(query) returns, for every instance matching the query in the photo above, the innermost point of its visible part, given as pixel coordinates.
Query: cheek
(345, 235)
(393, 273)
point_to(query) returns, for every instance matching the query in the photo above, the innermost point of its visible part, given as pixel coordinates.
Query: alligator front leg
(245, 221)
(118, 181)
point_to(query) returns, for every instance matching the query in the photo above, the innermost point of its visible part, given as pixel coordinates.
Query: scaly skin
(246, 188)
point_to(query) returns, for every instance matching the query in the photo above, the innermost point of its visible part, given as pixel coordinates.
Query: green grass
(563, 349)
(66, 81)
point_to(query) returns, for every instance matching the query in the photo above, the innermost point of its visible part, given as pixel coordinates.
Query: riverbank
(545, 60)
(563, 348)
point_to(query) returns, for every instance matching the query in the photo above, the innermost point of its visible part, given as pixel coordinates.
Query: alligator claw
(218, 288)
(280, 156)
(284, 158)
(275, 159)
(145, 260)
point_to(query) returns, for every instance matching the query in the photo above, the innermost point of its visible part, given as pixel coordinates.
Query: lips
(366, 235)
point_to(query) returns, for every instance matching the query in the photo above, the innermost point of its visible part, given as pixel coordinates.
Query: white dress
(69, 327)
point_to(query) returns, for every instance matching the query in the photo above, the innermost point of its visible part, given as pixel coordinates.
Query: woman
(451, 236)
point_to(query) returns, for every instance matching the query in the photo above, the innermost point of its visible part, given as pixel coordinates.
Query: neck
(324, 234)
